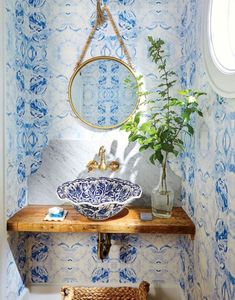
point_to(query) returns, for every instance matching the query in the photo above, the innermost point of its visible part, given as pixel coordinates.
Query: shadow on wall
(65, 160)
(17, 264)
(34, 260)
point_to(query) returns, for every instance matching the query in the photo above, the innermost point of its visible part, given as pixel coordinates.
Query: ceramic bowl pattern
(99, 198)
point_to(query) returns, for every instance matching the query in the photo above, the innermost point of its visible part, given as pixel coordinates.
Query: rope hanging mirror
(98, 94)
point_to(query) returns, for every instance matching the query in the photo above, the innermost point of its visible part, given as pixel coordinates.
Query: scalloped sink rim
(91, 196)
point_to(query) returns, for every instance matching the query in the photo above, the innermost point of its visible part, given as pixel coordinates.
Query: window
(219, 45)
(222, 34)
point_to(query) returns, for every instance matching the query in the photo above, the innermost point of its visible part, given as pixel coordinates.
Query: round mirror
(103, 92)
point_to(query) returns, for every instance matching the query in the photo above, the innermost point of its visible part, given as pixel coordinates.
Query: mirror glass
(103, 92)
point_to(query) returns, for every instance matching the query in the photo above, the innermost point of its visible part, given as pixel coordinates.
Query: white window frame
(223, 83)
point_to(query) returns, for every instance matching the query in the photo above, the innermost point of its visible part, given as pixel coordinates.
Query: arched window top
(222, 34)
(218, 45)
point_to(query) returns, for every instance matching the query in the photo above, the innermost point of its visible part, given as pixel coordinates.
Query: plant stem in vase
(160, 129)
(162, 196)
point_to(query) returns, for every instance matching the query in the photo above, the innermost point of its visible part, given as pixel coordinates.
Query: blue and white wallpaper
(208, 174)
(60, 258)
(16, 185)
(27, 112)
(44, 39)
(71, 258)
(16, 265)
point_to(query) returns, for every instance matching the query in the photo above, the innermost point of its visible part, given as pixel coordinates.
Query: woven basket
(105, 293)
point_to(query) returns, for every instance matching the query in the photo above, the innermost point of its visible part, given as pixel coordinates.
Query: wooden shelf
(31, 218)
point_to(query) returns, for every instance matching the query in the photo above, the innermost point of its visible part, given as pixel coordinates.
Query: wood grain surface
(128, 220)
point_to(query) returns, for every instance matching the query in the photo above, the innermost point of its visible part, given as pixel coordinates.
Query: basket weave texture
(105, 293)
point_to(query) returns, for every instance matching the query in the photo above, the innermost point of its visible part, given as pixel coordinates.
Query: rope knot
(100, 18)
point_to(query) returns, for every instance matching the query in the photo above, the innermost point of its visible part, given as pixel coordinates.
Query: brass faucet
(102, 165)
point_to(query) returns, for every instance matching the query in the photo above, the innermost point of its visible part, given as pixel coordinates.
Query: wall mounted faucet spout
(102, 165)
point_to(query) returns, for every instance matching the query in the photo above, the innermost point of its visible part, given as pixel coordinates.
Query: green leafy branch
(167, 116)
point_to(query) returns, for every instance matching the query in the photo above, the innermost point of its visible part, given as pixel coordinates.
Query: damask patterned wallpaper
(27, 121)
(61, 258)
(16, 184)
(44, 39)
(208, 172)
(48, 37)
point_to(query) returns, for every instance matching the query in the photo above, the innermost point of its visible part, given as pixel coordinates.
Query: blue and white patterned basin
(99, 198)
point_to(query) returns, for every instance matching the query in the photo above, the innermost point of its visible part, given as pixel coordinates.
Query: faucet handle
(92, 165)
(114, 165)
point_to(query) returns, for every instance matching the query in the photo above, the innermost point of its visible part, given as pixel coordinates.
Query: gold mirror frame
(71, 83)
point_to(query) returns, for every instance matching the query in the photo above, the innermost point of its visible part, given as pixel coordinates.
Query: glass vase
(162, 196)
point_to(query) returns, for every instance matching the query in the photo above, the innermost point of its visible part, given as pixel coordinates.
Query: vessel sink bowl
(99, 198)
